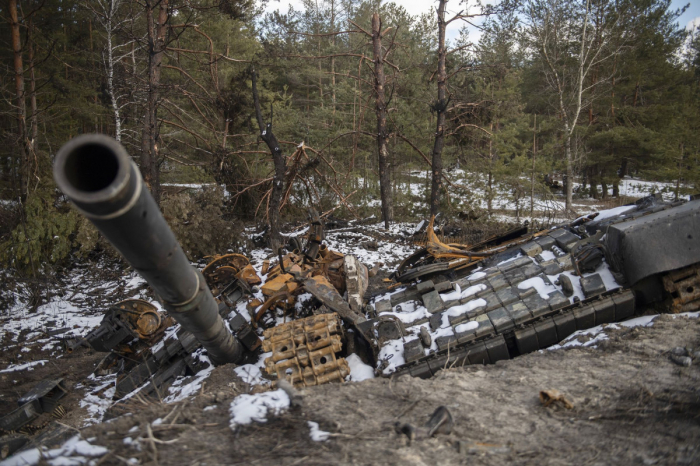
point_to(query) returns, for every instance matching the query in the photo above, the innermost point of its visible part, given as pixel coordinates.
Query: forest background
(343, 105)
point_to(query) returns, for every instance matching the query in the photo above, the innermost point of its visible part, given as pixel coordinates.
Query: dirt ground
(632, 405)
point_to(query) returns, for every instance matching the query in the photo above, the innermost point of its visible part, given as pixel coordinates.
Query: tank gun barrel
(97, 175)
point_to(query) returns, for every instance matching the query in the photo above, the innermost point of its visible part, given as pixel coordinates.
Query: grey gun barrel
(96, 173)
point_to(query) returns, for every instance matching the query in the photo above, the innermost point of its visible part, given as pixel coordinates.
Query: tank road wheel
(224, 268)
(142, 315)
(270, 304)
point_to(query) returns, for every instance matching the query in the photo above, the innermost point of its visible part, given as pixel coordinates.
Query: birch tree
(106, 14)
(570, 45)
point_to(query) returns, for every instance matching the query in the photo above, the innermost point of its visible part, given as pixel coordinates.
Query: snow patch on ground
(99, 399)
(317, 435)
(359, 371)
(26, 366)
(597, 334)
(74, 452)
(184, 387)
(251, 373)
(247, 408)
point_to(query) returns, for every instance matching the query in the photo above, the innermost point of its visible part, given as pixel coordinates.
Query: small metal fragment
(566, 286)
(425, 337)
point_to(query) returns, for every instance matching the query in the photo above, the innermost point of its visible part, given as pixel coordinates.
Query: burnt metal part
(655, 243)
(566, 286)
(413, 350)
(546, 242)
(245, 332)
(11, 443)
(684, 287)
(125, 321)
(316, 236)
(304, 351)
(546, 333)
(321, 289)
(565, 324)
(587, 257)
(497, 349)
(440, 422)
(382, 306)
(585, 317)
(531, 249)
(564, 238)
(97, 175)
(526, 340)
(42, 398)
(356, 281)
(161, 367)
(433, 302)
(592, 285)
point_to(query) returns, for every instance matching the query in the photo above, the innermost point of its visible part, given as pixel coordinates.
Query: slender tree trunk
(156, 46)
(678, 178)
(269, 138)
(441, 108)
(109, 27)
(333, 58)
(384, 162)
(568, 185)
(320, 70)
(20, 103)
(532, 176)
(226, 125)
(34, 119)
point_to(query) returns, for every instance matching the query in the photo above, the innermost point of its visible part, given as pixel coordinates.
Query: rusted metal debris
(43, 398)
(439, 257)
(684, 287)
(440, 422)
(304, 351)
(547, 397)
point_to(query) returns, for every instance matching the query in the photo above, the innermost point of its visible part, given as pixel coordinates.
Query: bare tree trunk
(33, 119)
(226, 125)
(333, 58)
(489, 200)
(678, 179)
(568, 185)
(269, 138)
(156, 46)
(441, 108)
(532, 177)
(109, 28)
(19, 100)
(384, 162)
(320, 70)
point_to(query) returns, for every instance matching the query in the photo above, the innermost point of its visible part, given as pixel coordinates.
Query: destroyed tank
(525, 291)
(451, 305)
(506, 296)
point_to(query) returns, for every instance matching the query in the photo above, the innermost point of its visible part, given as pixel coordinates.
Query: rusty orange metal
(249, 275)
(304, 351)
(223, 269)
